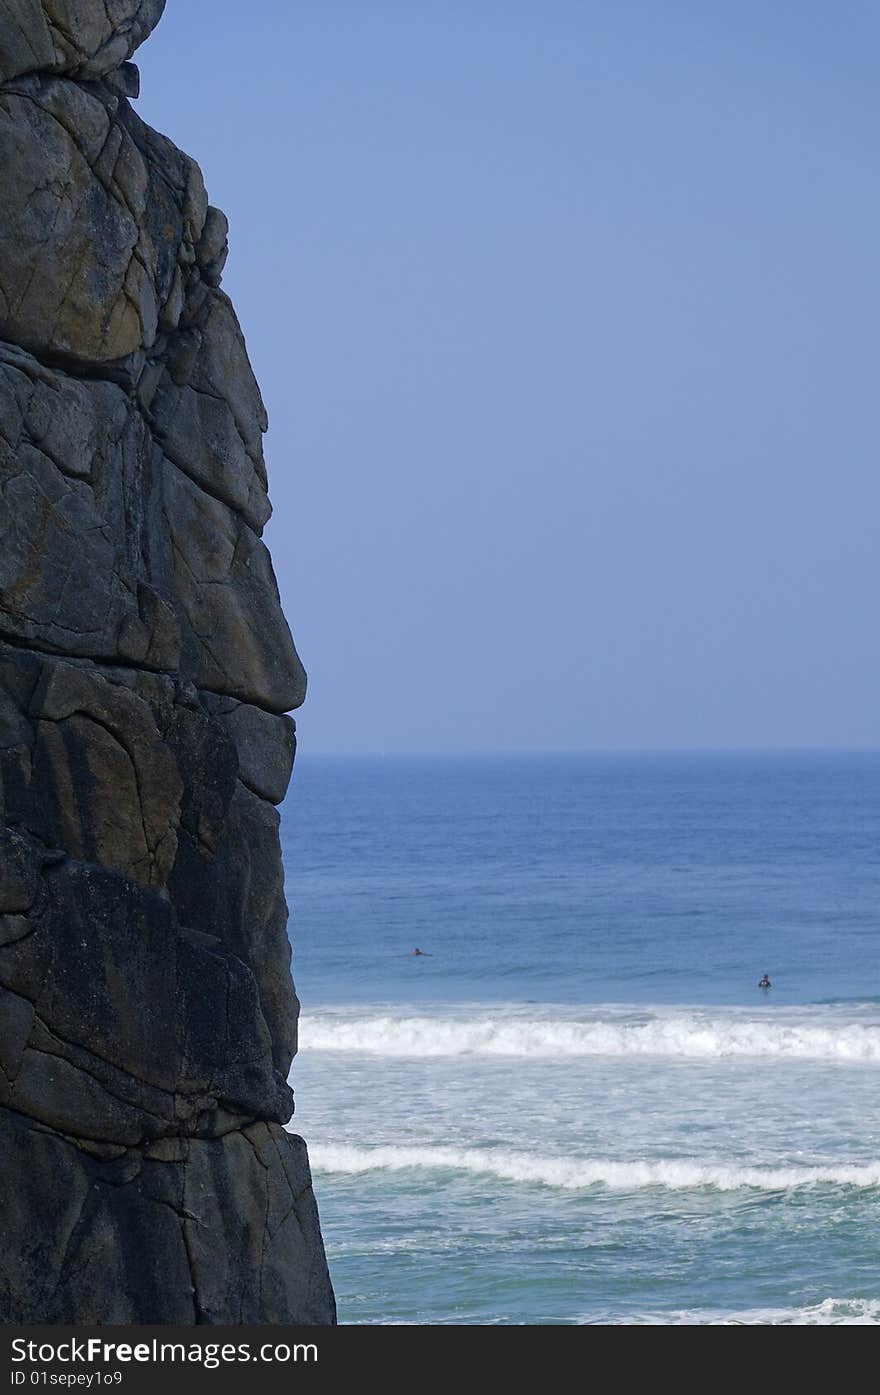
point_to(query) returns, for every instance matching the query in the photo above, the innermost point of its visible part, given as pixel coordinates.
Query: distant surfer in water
(422, 953)
(765, 982)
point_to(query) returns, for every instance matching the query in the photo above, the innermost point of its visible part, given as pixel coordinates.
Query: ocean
(577, 1106)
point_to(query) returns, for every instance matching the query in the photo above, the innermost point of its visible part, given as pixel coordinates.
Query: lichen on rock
(147, 1014)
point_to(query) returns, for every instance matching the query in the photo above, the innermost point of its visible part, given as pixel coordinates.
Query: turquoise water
(577, 1106)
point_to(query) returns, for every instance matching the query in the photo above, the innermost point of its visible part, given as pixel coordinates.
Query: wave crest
(830, 1312)
(578, 1174)
(684, 1035)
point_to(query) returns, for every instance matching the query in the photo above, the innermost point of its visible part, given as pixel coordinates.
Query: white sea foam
(684, 1034)
(831, 1312)
(577, 1174)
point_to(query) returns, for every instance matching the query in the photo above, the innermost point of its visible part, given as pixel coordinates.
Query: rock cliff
(148, 1015)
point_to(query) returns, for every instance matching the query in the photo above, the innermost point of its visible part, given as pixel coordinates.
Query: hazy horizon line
(303, 752)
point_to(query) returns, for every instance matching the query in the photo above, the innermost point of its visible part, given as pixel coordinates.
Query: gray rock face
(85, 38)
(147, 1014)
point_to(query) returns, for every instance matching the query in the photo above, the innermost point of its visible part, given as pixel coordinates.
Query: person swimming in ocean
(765, 982)
(422, 952)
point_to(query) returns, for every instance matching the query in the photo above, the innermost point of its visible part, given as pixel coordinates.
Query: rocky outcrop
(148, 1015)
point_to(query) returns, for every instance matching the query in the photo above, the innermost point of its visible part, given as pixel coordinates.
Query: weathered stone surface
(89, 271)
(115, 783)
(266, 747)
(80, 37)
(72, 473)
(218, 1230)
(235, 636)
(147, 1014)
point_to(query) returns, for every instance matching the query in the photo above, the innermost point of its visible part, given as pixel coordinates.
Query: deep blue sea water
(577, 1106)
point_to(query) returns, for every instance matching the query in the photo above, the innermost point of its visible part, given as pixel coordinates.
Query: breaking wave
(577, 1174)
(830, 1312)
(693, 1035)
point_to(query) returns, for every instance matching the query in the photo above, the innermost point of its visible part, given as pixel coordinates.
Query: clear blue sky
(566, 318)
